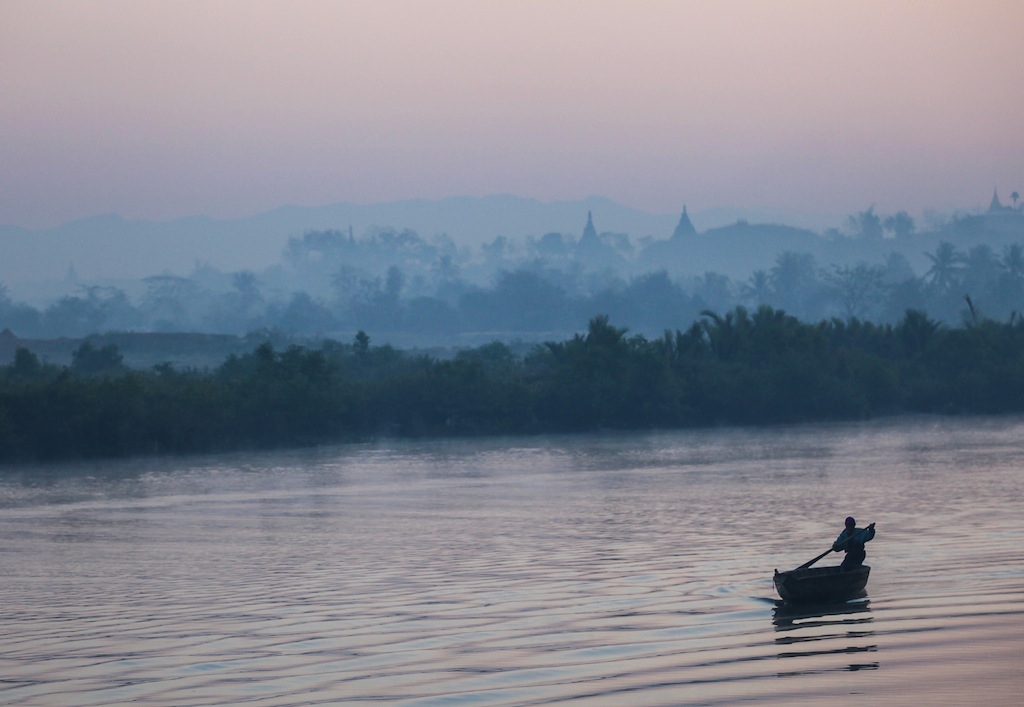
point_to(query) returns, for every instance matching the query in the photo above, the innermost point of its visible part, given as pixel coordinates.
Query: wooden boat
(821, 584)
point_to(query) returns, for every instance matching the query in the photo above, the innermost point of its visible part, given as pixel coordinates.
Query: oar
(811, 562)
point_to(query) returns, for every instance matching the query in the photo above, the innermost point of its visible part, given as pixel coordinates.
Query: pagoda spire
(996, 206)
(589, 232)
(685, 227)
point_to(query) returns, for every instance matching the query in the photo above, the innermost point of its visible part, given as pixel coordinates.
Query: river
(592, 569)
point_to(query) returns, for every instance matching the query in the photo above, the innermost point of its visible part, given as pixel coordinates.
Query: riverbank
(763, 368)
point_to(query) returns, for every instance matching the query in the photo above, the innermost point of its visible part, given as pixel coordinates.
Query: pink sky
(163, 109)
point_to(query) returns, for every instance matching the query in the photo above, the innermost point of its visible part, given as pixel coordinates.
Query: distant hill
(112, 247)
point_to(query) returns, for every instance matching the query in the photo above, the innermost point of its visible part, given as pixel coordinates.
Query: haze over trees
(417, 291)
(837, 326)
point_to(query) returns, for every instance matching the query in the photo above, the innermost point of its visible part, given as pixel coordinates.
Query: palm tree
(945, 266)
(721, 333)
(601, 334)
(915, 331)
(1015, 196)
(757, 288)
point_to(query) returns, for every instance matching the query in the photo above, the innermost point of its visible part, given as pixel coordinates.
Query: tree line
(330, 283)
(537, 299)
(742, 368)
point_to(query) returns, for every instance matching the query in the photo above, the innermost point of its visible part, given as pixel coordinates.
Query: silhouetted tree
(72, 316)
(795, 285)
(757, 289)
(26, 366)
(859, 289)
(900, 224)
(87, 359)
(867, 224)
(915, 332)
(715, 290)
(1013, 260)
(168, 301)
(650, 302)
(945, 267)
(521, 300)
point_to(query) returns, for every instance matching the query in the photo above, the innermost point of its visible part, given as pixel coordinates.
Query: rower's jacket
(861, 536)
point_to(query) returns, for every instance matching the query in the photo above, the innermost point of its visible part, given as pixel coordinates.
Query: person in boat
(852, 540)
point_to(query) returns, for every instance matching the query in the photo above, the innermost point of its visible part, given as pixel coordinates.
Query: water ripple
(632, 569)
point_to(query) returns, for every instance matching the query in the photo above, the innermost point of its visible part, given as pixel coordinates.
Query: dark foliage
(764, 367)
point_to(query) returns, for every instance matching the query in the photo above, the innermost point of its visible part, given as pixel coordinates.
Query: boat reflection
(786, 616)
(813, 631)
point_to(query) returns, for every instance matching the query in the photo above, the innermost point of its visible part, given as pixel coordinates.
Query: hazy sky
(164, 109)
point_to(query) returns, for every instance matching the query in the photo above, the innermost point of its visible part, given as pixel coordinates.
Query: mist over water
(625, 568)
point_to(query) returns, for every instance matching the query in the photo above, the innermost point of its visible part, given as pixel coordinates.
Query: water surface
(604, 569)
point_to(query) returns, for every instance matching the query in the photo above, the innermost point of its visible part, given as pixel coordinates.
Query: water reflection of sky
(605, 568)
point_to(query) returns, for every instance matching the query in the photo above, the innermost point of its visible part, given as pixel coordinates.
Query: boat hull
(821, 584)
